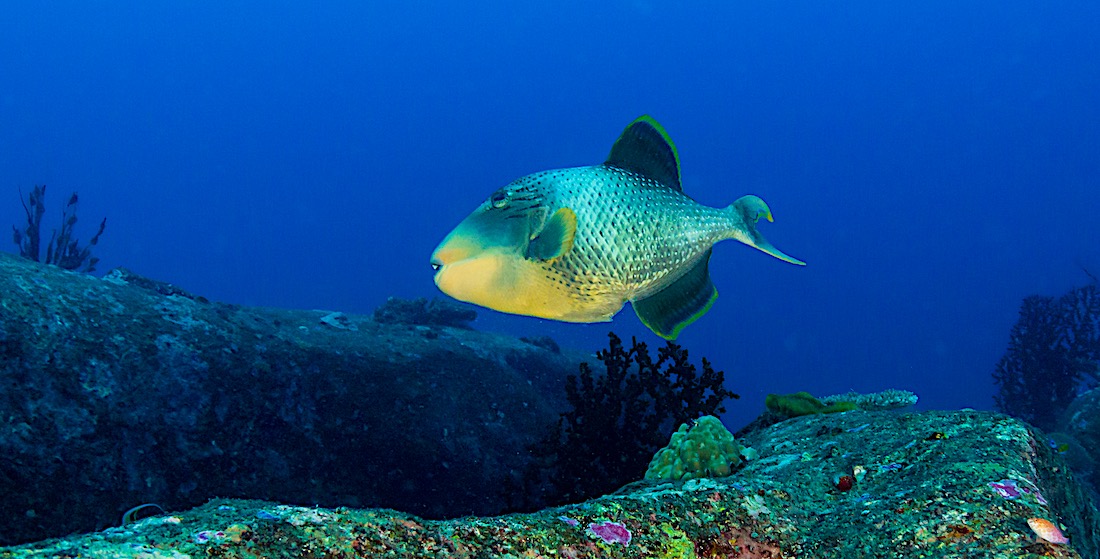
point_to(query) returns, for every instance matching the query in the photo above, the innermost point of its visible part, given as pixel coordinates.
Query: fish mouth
(445, 255)
(441, 264)
(437, 269)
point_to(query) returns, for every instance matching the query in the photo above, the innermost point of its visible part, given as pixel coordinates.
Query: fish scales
(633, 234)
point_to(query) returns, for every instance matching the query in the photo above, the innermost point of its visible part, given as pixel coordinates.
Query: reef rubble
(931, 484)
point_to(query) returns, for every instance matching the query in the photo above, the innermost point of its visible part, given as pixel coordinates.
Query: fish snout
(453, 249)
(439, 265)
(442, 257)
(445, 255)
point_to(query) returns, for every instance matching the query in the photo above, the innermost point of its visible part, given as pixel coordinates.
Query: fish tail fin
(747, 210)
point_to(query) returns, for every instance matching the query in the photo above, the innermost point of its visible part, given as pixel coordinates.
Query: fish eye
(499, 199)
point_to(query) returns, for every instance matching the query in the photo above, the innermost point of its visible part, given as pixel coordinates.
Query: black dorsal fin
(645, 148)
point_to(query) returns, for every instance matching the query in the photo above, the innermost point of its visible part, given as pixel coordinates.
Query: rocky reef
(126, 390)
(934, 484)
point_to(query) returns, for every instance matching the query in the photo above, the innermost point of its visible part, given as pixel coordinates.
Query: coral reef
(62, 249)
(122, 276)
(1052, 356)
(1078, 438)
(422, 312)
(618, 421)
(973, 491)
(545, 342)
(802, 403)
(705, 449)
(891, 399)
(121, 390)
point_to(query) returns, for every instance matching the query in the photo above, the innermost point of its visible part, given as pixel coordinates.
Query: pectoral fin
(671, 309)
(556, 237)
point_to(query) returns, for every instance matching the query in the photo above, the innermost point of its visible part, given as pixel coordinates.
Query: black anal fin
(671, 309)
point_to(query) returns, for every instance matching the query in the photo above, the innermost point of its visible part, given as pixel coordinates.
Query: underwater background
(933, 163)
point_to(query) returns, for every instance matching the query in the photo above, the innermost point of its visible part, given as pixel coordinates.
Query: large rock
(936, 484)
(1078, 438)
(124, 390)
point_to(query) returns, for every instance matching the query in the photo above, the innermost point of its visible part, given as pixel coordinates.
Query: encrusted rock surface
(927, 486)
(125, 390)
(1079, 435)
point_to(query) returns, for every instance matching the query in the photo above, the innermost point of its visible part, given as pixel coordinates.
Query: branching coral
(1052, 354)
(619, 420)
(63, 249)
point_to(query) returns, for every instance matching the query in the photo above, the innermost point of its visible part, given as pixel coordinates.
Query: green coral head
(705, 449)
(803, 403)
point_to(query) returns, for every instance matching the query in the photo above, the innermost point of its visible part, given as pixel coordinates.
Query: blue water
(934, 163)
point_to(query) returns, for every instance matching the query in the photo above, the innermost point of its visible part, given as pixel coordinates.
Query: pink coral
(1007, 488)
(611, 532)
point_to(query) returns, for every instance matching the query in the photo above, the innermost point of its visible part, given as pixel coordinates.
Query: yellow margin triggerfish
(576, 244)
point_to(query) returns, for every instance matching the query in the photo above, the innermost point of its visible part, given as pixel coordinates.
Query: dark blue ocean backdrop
(933, 162)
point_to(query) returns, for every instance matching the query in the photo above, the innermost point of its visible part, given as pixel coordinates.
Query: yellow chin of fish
(477, 280)
(503, 283)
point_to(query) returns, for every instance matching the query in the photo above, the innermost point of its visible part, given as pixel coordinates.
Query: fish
(1047, 531)
(141, 512)
(577, 244)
